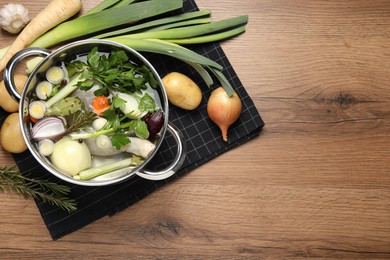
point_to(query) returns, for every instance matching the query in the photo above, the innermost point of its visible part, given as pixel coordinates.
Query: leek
(103, 5)
(195, 30)
(224, 81)
(165, 35)
(156, 23)
(105, 19)
(204, 20)
(209, 38)
(123, 3)
(202, 72)
(165, 48)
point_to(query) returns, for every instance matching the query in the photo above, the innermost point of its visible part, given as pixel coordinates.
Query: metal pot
(68, 52)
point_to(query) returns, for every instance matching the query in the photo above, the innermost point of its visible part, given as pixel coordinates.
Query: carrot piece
(53, 14)
(100, 104)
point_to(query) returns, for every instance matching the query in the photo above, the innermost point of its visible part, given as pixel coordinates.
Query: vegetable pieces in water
(107, 108)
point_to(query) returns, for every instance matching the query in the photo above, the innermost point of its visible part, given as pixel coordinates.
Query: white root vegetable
(54, 13)
(137, 146)
(100, 151)
(140, 147)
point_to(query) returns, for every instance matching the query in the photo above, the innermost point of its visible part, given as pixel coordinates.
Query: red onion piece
(154, 121)
(52, 128)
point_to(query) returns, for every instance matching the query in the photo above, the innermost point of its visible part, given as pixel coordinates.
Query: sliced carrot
(100, 104)
(55, 13)
(33, 119)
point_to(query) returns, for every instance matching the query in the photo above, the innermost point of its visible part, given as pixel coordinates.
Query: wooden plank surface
(315, 183)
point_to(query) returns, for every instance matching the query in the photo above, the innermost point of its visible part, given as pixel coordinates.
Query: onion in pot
(154, 121)
(71, 156)
(52, 128)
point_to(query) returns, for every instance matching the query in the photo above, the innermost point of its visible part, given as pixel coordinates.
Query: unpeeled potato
(6, 101)
(182, 91)
(11, 137)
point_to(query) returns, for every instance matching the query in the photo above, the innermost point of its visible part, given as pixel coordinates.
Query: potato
(7, 102)
(11, 135)
(182, 91)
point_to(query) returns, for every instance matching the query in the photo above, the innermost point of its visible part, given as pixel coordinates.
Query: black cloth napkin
(203, 141)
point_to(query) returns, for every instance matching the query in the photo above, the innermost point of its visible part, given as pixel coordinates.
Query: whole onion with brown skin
(223, 110)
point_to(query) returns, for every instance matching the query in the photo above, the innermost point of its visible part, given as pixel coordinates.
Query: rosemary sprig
(79, 120)
(48, 192)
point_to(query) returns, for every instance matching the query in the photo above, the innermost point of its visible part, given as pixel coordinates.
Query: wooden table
(315, 183)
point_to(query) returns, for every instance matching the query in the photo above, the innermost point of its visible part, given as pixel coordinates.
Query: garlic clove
(14, 17)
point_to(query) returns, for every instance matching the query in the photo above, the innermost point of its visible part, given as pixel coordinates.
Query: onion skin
(224, 110)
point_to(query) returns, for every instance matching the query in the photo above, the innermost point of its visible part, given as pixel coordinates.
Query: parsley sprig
(120, 123)
(115, 72)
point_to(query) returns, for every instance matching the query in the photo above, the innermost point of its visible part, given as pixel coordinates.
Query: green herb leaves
(126, 85)
(114, 72)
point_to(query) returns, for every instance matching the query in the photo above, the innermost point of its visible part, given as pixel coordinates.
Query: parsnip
(55, 13)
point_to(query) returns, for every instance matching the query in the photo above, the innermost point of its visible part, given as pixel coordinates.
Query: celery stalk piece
(192, 31)
(65, 91)
(105, 19)
(166, 48)
(209, 38)
(157, 22)
(86, 135)
(103, 169)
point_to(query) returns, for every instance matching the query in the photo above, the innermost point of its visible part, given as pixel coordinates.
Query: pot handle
(176, 163)
(9, 70)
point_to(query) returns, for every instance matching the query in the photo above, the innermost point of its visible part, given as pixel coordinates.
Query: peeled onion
(223, 110)
(71, 156)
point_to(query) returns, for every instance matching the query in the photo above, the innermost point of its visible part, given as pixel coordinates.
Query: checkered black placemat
(203, 141)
